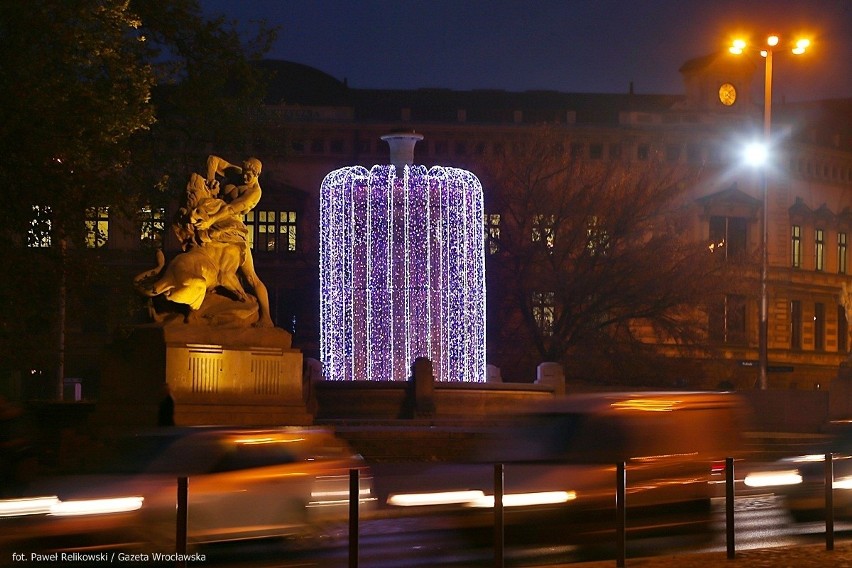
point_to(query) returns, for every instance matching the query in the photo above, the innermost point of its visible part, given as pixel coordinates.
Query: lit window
(841, 253)
(274, 231)
(544, 311)
(598, 238)
(728, 237)
(492, 232)
(819, 249)
(543, 230)
(40, 232)
(152, 226)
(97, 226)
(796, 246)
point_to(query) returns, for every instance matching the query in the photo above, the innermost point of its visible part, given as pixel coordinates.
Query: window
(841, 253)
(819, 326)
(795, 324)
(97, 226)
(272, 231)
(693, 153)
(819, 249)
(577, 150)
(615, 151)
(716, 154)
(728, 237)
(672, 153)
(796, 246)
(598, 238)
(544, 311)
(95, 304)
(596, 151)
(492, 233)
(842, 331)
(40, 233)
(153, 226)
(543, 230)
(727, 320)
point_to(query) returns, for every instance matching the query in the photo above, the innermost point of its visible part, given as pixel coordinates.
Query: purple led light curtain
(402, 273)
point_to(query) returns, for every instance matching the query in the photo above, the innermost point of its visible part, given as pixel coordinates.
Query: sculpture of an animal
(192, 274)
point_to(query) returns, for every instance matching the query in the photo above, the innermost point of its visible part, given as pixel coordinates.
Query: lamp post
(766, 52)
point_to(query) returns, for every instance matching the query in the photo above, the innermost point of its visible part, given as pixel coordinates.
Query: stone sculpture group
(204, 284)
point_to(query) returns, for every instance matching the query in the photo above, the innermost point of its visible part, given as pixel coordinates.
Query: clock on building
(727, 94)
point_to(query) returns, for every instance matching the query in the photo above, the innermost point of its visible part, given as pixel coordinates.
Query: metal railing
(621, 481)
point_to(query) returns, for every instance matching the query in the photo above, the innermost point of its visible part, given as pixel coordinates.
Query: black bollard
(354, 499)
(180, 529)
(498, 516)
(729, 508)
(621, 515)
(829, 502)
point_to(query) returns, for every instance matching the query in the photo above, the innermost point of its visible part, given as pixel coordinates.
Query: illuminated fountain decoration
(402, 270)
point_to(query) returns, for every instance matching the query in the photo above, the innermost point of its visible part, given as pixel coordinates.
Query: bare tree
(594, 258)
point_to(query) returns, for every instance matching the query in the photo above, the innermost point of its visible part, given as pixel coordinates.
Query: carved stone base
(244, 376)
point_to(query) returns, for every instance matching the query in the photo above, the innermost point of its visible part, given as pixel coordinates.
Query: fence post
(829, 502)
(354, 499)
(730, 533)
(180, 528)
(620, 514)
(498, 516)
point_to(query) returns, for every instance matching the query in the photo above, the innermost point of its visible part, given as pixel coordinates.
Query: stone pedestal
(551, 374)
(246, 376)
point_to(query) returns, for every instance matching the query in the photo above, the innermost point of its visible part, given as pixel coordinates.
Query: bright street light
(738, 46)
(756, 154)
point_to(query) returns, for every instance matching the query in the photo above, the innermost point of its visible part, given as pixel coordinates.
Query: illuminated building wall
(402, 273)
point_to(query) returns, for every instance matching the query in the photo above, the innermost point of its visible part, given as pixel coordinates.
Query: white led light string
(402, 273)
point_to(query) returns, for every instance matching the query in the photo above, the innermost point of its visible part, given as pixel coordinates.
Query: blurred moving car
(242, 484)
(800, 479)
(560, 462)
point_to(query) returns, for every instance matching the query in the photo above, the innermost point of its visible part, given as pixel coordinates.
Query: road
(761, 522)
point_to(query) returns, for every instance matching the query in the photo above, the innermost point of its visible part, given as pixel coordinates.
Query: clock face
(727, 94)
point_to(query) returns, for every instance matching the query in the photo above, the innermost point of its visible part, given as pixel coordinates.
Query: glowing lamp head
(756, 154)
(737, 46)
(801, 46)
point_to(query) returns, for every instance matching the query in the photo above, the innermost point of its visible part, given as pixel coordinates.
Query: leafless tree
(593, 259)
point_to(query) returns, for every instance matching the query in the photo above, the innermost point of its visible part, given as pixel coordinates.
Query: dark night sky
(565, 45)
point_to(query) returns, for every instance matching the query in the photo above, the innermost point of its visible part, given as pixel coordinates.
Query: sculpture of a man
(241, 193)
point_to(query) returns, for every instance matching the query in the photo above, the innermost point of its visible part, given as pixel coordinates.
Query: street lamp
(738, 47)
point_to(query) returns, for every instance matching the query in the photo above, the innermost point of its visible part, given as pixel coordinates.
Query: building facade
(325, 125)
(315, 124)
